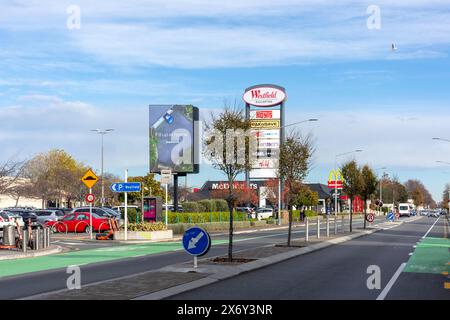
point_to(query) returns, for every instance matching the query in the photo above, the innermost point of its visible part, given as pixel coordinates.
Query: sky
(58, 81)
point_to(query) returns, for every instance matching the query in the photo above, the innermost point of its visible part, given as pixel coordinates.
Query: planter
(144, 235)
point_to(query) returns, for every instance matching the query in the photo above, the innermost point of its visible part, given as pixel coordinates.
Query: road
(340, 272)
(22, 278)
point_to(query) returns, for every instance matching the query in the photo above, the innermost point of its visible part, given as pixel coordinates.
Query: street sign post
(166, 176)
(90, 179)
(370, 217)
(196, 242)
(90, 198)
(125, 187)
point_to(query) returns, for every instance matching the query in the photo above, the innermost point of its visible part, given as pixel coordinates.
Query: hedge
(221, 205)
(146, 226)
(204, 217)
(180, 228)
(207, 205)
(190, 206)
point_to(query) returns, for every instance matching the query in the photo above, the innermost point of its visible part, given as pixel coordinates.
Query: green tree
(294, 163)
(369, 187)
(227, 146)
(150, 187)
(352, 184)
(306, 197)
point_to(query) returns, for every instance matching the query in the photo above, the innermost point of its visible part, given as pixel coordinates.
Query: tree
(306, 197)
(369, 187)
(294, 163)
(445, 196)
(10, 171)
(229, 147)
(352, 184)
(150, 187)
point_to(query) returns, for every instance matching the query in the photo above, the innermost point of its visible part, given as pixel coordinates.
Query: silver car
(44, 216)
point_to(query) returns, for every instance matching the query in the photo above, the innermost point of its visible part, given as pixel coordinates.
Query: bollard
(318, 227)
(49, 237)
(342, 224)
(36, 239)
(307, 229)
(25, 240)
(44, 233)
(328, 227)
(335, 225)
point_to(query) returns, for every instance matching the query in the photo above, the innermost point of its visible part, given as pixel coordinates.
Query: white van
(404, 209)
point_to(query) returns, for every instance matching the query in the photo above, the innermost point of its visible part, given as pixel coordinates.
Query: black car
(25, 214)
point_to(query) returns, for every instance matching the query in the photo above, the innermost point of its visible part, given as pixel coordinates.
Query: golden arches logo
(336, 175)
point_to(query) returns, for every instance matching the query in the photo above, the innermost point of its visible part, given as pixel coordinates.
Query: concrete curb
(58, 249)
(251, 266)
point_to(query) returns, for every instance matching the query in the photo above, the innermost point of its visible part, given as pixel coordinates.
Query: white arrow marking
(193, 241)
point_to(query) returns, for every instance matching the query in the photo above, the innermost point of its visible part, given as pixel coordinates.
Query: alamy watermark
(74, 19)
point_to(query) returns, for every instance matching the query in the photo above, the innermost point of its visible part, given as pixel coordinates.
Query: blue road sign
(390, 216)
(125, 187)
(196, 241)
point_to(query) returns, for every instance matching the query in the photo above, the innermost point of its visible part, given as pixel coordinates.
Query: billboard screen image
(172, 138)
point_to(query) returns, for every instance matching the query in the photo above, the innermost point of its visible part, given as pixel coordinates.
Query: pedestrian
(302, 214)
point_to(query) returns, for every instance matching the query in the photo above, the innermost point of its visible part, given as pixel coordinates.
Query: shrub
(131, 213)
(208, 205)
(221, 205)
(190, 206)
(147, 226)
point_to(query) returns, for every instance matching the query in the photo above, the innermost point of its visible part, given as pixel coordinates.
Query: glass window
(69, 217)
(82, 217)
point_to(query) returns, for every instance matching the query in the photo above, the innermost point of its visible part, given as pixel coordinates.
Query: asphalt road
(29, 284)
(340, 271)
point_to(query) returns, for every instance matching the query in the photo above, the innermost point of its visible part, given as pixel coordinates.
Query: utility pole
(102, 132)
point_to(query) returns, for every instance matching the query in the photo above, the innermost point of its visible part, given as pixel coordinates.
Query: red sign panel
(332, 184)
(90, 198)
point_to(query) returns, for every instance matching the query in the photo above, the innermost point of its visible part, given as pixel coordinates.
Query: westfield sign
(264, 96)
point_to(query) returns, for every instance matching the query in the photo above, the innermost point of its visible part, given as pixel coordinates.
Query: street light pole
(279, 179)
(102, 132)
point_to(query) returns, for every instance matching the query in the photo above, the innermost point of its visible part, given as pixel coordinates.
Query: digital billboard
(172, 138)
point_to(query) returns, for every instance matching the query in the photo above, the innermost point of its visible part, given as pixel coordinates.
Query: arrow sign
(196, 241)
(125, 187)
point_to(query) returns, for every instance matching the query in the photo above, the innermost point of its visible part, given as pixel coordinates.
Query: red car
(79, 222)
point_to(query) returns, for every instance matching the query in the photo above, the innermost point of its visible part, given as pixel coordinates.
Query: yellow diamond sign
(89, 178)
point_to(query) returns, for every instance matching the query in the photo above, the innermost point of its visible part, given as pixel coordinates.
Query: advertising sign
(267, 153)
(269, 143)
(262, 124)
(267, 134)
(263, 173)
(265, 114)
(266, 164)
(172, 138)
(264, 96)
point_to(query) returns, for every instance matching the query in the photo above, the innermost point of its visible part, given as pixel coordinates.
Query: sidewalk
(178, 278)
(16, 254)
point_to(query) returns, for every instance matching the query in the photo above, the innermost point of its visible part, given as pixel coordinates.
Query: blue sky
(58, 83)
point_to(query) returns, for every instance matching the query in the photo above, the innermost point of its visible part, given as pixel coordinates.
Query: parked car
(44, 216)
(100, 211)
(423, 212)
(5, 220)
(79, 222)
(25, 214)
(264, 213)
(249, 210)
(14, 218)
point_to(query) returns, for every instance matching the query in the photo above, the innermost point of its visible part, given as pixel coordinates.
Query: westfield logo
(256, 94)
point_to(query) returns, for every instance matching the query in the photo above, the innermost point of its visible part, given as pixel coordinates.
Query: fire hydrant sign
(196, 241)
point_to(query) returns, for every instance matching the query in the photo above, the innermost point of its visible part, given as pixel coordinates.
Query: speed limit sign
(90, 198)
(370, 217)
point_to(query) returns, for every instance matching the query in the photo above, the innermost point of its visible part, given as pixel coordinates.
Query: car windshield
(404, 208)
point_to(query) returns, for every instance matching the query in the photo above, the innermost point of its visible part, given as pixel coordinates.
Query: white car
(5, 220)
(404, 210)
(264, 213)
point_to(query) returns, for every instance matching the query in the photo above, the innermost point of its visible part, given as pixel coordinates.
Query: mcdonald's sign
(335, 179)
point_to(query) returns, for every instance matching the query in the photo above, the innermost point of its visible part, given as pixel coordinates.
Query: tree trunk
(290, 226)
(365, 211)
(351, 214)
(230, 235)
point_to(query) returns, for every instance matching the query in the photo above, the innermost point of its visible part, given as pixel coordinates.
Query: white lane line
(430, 228)
(391, 282)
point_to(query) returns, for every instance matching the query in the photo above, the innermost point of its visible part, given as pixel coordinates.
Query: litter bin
(9, 236)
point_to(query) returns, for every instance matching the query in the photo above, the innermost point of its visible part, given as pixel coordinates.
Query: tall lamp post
(445, 162)
(279, 179)
(381, 181)
(102, 132)
(335, 184)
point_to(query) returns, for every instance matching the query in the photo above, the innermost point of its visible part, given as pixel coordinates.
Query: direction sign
(90, 198)
(125, 187)
(196, 241)
(390, 216)
(166, 176)
(370, 217)
(89, 179)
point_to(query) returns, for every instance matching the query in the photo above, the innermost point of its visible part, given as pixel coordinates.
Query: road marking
(430, 228)
(391, 282)
(410, 254)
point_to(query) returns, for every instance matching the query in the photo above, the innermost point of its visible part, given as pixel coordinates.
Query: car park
(5, 220)
(79, 222)
(26, 215)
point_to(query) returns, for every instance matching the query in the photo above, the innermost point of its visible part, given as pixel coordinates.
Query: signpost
(166, 176)
(90, 179)
(196, 242)
(370, 217)
(126, 187)
(90, 198)
(390, 216)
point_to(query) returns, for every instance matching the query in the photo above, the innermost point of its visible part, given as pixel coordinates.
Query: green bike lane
(88, 256)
